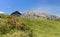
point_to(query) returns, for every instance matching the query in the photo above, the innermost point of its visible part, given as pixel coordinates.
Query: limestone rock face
(39, 14)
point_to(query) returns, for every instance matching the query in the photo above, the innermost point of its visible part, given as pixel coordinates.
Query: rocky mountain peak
(39, 14)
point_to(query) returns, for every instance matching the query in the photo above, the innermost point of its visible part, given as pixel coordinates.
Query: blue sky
(50, 6)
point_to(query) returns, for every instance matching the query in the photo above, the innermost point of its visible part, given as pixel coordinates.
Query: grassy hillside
(28, 27)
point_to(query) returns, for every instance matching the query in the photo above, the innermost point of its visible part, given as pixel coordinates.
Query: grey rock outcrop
(39, 14)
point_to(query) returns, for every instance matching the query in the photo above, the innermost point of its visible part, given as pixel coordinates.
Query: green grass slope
(32, 27)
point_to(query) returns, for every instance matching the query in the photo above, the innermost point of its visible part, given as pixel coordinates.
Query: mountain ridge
(36, 14)
(39, 14)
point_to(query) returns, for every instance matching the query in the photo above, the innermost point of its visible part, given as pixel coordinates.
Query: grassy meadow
(11, 26)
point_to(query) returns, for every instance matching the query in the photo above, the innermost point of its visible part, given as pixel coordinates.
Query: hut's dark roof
(16, 13)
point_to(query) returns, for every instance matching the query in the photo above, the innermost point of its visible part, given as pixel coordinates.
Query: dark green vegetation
(11, 26)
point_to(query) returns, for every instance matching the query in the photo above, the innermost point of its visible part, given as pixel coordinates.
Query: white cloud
(51, 9)
(1, 12)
